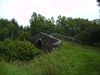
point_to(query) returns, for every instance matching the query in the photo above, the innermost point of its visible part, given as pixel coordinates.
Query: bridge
(46, 42)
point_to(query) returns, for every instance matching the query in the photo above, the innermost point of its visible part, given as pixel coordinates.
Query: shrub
(90, 35)
(19, 50)
(3, 49)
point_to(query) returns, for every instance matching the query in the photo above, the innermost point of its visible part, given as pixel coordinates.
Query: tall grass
(69, 59)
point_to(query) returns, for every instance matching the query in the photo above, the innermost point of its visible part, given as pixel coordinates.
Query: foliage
(90, 36)
(69, 59)
(18, 50)
(12, 30)
(8, 30)
(39, 23)
(81, 29)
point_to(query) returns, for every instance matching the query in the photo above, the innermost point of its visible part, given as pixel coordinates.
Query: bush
(90, 35)
(18, 50)
(3, 49)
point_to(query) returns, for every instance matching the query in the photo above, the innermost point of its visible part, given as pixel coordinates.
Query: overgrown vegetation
(20, 46)
(69, 59)
(17, 50)
(82, 29)
(19, 56)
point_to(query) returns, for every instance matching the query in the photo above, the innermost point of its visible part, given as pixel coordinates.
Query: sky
(22, 10)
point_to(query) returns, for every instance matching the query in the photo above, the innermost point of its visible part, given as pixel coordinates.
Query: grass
(69, 59)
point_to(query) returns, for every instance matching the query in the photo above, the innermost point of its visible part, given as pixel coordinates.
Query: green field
(69, 59)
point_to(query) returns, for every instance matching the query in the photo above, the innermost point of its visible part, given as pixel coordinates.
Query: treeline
(15, 38)
(81, 29)
(12, 30)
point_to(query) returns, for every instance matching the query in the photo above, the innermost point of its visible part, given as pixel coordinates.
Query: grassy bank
(69, 59)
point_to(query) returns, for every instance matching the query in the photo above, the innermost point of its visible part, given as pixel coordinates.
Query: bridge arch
(39, 44)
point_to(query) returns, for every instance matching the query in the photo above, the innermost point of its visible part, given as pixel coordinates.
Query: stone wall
(62, 37)
(46, 42)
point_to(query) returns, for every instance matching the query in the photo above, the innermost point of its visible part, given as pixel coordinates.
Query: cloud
(22, 10)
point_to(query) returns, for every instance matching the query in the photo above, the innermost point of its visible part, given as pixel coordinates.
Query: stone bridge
(46, 42)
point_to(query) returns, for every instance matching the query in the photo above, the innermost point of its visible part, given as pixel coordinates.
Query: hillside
(68, 59)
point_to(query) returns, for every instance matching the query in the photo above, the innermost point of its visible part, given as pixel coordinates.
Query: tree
(90, 36)
(61, 25)
(14, 22)
(39, 23)
(8, 29)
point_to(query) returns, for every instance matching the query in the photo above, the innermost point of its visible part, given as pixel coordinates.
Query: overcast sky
(22, 10)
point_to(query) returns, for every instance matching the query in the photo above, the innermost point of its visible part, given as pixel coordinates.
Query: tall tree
(40, 24)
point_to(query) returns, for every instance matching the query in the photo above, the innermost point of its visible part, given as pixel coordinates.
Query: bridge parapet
(46, 42)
